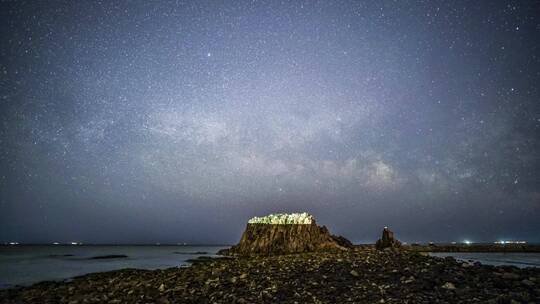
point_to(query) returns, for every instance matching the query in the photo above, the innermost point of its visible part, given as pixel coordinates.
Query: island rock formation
(387, 240)
(286, 233)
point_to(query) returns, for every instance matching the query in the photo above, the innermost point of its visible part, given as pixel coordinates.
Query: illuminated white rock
(283, 219)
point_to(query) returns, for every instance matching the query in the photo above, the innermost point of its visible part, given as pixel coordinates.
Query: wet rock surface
(354, 276)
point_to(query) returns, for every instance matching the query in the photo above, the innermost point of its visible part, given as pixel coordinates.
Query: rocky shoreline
(363, 275)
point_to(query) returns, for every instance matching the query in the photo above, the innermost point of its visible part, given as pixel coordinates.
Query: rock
(262, 238)
(510, 276)
(407, 280)
(527, 283)
(161, 288)
(163, 300)
(342, 241)
(354, 273)
(110, 256)
(387, 240)
(449, 286)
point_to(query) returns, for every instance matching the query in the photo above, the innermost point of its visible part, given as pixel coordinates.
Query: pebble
(386, 277)
(449, 286)
(510, 276)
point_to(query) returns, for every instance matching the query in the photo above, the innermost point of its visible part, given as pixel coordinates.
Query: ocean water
(25, 265)
(521, 260)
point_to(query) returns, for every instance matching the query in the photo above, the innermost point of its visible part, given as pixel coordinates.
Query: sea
(25, 265)
(518, 259)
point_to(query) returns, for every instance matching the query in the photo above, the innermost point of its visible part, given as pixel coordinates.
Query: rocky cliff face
(271, 239)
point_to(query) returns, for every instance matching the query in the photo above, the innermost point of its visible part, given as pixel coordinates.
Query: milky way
(178, 121)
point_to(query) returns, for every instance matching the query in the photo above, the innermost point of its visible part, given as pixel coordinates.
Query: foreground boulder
(387, 240)
(286, 233)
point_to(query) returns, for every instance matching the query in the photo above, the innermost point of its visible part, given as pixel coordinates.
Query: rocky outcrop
(387, 240)
(342, 241)
(273, 239)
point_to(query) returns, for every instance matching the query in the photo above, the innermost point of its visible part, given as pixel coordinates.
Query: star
(217, 110)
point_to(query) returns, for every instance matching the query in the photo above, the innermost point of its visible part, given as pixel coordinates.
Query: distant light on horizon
(510, 242)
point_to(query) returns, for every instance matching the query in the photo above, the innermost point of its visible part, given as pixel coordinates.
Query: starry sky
(146, 121)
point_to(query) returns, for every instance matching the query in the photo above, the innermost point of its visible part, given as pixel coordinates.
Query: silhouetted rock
(342, 241)
(110, 256)
(60, 255)
(263, 237)
(387, 240)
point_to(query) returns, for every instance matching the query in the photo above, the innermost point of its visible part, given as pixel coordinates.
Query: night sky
(144, 122)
